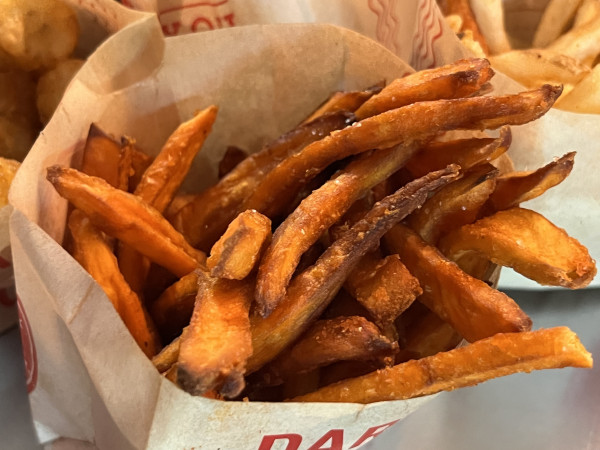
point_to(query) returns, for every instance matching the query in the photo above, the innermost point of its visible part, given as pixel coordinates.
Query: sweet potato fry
(140, 161)
(231, 158)
(203, 220)
(216, 344)
(416, 122)
(499, 355)
(462, 8)
(516, 187)
(384, 286)
(466, 153)
(455, 205)
(236, 253)
(312, 290)
(173, 309)
(329, 341)
(345, 101)
(164, 360)
(460, 79)
(472, 307)
(527, 242)
(101, 156)
(91, 250)
(126, 217)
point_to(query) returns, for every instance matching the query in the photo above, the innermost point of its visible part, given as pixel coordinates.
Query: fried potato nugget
(473, 308)
(312, 290)
(53, 84)
(17, 96)
(527, 242)
(216, 344)
(37, 33)
(329, 341)
(8, 170)
(126, 217)
(92, 251)
(237, 252)
(496, 356)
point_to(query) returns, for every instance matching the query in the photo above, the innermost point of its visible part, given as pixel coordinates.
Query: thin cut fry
(345, 101)
(312, 290)
(580, 43)
(455, 205)
(499, 355)
(517, 187)
(412, 123)
(556, 17)
(167, 356)
(466, 153)
(329, 341)
(489, 15)
(463, 9)
(585, 96)
(236, 253)
(173, 309)
(231, 158)
(91, 250)
(527, 242)
(203, 220)
(472, 307)
(216, 344)
(126, 217)
(459, 79)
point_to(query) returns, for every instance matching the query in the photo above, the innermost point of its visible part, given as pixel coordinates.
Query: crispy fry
(215, 346)
(345, 101)
(472, 307)
(91, 250)
(527, 242)
(173, 309)
(140, 161)
(463, 9)
(167, 357)
(455, 205)
(384, 286)
(517, 187)
(101, 156)
(203, 220)
(499, 355)
(231, 158)
(237, 252)
(330, 341)
(312, 290)
(556, 17)
(459, 79)
(412, 123)
(126, 217)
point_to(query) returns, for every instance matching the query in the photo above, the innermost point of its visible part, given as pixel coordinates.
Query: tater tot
(37, 33)
(8, 169)
(52, 85)
(16, 137)
(17, 96)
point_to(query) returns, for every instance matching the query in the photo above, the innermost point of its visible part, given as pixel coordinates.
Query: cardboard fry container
(97, 19)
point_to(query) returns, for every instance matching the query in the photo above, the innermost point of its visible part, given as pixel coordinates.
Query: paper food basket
(87, 379)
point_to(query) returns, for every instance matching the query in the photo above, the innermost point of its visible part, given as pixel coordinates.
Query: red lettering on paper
(171, 29)
(334, 437)
(29, 353)
(202, 24)
(196, 16)
(372, 433)
(294, 441)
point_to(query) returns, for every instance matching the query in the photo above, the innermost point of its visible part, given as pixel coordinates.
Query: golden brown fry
(173, 309)
(203, 220)
(585, 96)
(101, 156)
(581, 42)
(472, 307)
(466, 153)
(499, 355)
(231, 158)
(455, 205)
(237, 252)
(459, 79)
(167, 357)
(412, 123)
(516, 187)
(489, 15)
(345, 101)
(330, 341)
(126, 217)
(462, 8)
(140, 161)
(527, 242)
(312, 290)
(216, 344)
(91, 250)
(384, 286)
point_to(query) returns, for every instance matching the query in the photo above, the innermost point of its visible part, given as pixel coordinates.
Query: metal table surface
(557, 409)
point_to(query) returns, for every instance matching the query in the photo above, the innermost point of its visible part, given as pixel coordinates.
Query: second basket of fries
(229, 240)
